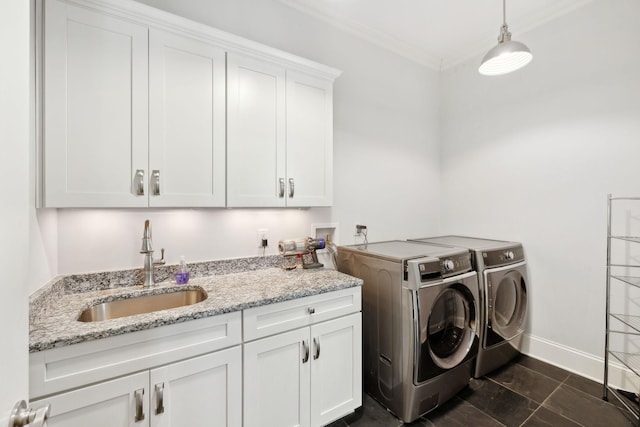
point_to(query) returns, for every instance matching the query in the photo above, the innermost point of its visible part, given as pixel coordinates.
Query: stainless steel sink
(141, 304)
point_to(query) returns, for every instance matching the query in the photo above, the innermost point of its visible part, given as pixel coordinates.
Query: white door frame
(15, 137)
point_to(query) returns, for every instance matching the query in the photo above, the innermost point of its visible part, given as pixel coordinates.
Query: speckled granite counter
(236, 285)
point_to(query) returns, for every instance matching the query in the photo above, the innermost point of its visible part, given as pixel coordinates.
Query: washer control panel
(448, 265)
(455, 264)
(429, 270)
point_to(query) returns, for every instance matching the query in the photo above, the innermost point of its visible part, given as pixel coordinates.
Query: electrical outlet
(263, 238)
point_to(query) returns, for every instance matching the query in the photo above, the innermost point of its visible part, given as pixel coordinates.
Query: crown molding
(417, 54)
(369, 34)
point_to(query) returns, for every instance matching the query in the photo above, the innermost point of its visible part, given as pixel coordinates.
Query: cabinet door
(186, 122)
(256, 174)
(108, 404)
(309, 141)
(95, 108)
(336, 368)
(203, 391)
(276, 380)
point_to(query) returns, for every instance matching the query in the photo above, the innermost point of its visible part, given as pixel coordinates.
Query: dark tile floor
(527, 392)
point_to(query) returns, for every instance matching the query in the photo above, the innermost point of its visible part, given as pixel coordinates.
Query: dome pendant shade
(508, 55)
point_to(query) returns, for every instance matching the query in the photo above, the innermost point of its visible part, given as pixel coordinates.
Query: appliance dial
(508, 255)
(448, 265)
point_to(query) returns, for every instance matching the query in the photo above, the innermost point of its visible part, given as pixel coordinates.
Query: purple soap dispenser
(182, 274)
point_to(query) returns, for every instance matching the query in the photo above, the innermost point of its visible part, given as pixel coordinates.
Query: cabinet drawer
(58, 369)
(272, 319)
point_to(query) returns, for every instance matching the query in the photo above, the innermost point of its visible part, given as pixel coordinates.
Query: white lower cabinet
(302, 367)
(276, 381)
(202, 391)
(309, 376)
(336, 368)
(108, 404)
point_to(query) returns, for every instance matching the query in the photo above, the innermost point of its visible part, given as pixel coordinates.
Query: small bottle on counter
(182, 273)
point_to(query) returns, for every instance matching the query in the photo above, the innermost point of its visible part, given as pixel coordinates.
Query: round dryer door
(507, 302)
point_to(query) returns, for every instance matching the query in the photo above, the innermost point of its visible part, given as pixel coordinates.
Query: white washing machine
(419, 322)
(503, 281)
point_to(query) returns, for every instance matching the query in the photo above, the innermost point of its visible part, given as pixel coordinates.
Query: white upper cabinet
(280, 136)
(186, 121)
(141, 108)
(256, 135)
(309, 140)
(95, 108)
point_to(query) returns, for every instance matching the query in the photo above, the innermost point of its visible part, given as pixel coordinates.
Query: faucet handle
(160, 261)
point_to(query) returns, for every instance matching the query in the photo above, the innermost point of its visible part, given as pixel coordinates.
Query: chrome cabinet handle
(159, 398)
(139, 182)
(156, 182)
(281, 187)
(42, 415)
(305, 348)
(292, 187)
(138, 395)
(316, 343)
(22, 416)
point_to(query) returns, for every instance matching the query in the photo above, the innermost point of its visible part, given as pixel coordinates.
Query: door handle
(139, 182)
(292, 187)
(138, 396)
(281, 187)
(160, 398)
(21, 416)
(305, 350)
(316, 344)
(155, 175)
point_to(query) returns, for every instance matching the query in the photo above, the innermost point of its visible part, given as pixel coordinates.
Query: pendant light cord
(504, 12)
(504, 35)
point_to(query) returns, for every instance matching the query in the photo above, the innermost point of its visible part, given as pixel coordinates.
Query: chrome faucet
(147, 250)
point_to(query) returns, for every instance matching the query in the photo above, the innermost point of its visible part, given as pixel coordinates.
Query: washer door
(447, 328)
(507, 303)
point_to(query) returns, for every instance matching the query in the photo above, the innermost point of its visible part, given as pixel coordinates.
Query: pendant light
(508, 55)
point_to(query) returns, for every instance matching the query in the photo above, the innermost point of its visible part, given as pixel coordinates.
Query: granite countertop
(54, 310)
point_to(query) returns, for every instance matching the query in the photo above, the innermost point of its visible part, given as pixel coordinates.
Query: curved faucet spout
(147, 245)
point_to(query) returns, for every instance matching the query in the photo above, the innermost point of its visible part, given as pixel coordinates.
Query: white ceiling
(435, 33)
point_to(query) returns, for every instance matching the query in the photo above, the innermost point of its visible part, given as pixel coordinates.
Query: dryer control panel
(503, 256)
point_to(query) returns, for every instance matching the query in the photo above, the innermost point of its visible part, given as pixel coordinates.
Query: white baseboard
(579, 362)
